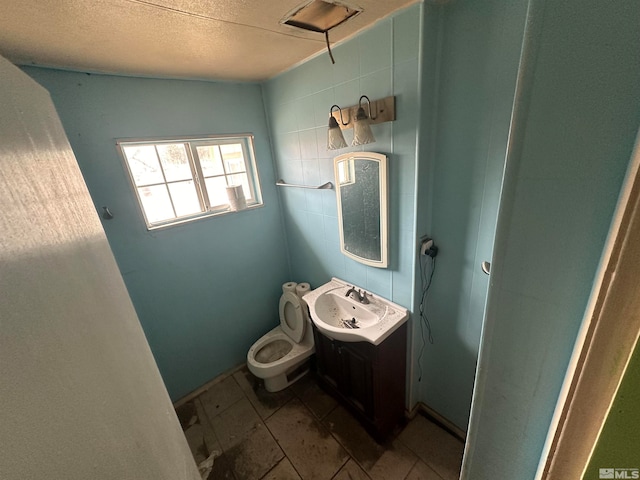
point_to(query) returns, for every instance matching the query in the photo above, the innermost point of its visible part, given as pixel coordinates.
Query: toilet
(281, 356)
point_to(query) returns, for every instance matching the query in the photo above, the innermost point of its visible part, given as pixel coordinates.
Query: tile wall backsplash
(379, 62)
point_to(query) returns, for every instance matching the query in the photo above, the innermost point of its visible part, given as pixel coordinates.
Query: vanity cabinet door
(356, 381)
(369, 380)
(328, 360)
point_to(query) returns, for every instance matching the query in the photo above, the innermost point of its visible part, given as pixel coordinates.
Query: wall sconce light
(362, 133)
(335, 139)
(357, 118)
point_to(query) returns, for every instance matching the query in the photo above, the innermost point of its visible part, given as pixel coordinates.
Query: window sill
(200, 216)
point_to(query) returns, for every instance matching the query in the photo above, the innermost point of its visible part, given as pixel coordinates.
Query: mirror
(361, 189)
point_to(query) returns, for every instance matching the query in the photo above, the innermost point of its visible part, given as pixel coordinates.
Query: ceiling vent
(320, 15)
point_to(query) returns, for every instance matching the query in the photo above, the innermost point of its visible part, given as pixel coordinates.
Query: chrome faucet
(360, 296)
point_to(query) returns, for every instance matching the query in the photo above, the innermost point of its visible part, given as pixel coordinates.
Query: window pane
(233, 157)
(156, 203)
(185, 198)
(174, 162)
(210, 160)
(241, 179)
(144, 165)
(217, 190)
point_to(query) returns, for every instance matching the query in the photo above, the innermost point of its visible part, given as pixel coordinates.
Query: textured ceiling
(207, 39)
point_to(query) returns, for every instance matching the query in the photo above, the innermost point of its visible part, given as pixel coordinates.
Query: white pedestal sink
(343, 318)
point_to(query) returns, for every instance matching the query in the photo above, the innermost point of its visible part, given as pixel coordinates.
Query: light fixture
(335, 139)
(362, 133)
(384, 109)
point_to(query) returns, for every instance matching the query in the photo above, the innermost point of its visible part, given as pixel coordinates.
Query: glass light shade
(362, 132)
(335, 139)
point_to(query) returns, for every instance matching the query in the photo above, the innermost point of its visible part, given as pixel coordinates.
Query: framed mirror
(361, 189)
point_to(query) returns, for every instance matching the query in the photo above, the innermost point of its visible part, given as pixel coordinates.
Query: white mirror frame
(382, 164)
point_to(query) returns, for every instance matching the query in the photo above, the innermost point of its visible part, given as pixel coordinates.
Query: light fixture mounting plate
(382, 110)
(320, 15)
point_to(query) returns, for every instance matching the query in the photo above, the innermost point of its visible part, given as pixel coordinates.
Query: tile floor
(302, 433)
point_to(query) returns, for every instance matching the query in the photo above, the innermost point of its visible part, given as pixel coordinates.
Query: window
(177, 180)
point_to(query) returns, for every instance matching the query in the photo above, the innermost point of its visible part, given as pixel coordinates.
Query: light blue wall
(471, 54)
(204, 291)
(574, 129)
(382, 61)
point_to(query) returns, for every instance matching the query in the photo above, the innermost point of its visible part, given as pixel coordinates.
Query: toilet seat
(292, 316)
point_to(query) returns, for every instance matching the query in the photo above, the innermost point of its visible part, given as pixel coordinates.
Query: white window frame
(191, 144)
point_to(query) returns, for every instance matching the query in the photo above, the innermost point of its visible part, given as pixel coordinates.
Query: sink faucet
(360, 296)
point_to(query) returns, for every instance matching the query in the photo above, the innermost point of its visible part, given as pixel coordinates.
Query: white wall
(81, 396)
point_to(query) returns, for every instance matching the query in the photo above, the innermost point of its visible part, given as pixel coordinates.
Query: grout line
(274, 467)
(413, 465)
(349, 457)
(207, 420)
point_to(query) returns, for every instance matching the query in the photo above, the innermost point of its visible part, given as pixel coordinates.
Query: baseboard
(410, 414)
(190, 396)
(429, 412)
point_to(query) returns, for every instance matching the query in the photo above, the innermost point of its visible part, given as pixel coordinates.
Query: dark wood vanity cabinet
(367, 379)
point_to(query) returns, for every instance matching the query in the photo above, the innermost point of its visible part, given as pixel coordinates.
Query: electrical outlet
(426, 246)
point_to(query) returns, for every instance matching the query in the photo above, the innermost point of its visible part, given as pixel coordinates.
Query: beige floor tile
(283, 471)
(354, 437)
(195, 438)
(396, 462)
(421, 471)
(435, 446)
(265, 403)
(198, 432)
(314, 453)
(222, 469)
(254, 455)
(351, 471)
(303, 383)
(187, 414)
(232, 425)
(220, 396)
(317, 400)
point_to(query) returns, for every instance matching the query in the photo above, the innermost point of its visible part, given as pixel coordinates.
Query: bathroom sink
(341, 317)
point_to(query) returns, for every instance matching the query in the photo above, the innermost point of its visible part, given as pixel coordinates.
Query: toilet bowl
(280, 357)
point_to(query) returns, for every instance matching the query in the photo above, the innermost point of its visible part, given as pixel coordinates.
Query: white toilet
(281, 356)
